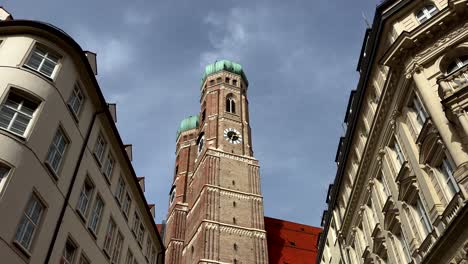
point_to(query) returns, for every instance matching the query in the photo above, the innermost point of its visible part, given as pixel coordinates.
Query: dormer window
(456, 64)
(426, 13)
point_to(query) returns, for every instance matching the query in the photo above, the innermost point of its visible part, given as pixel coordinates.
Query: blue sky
(299, 56)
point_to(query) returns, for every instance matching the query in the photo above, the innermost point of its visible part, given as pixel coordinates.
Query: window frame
(105, 168)
(25, 96)
(5, 178)
(71, 242)
(427, 13)
(101, 156)
(95, 230)
(108, 243)
(37, 226)
(48, 51)
(230, 104)
(84, 214)
(76, 114)
(446, 179)
(117, 247)
(120, 190)
(67, 143)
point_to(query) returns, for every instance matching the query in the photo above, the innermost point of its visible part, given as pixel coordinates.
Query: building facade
(216, 207)
(68, 191)
(401, 187)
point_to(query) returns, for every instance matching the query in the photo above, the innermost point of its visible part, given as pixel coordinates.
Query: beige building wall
(402, 183)
(27, 172)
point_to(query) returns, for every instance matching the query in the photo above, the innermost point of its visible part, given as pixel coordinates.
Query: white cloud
(113, 53)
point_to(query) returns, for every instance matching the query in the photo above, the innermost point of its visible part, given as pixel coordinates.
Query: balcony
(453, 82)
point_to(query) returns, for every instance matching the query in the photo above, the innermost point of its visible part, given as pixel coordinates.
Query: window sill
(81, 216)
(97, 160)
(26, 253)
(93, 234)
(39, 74)
(13, 134)
(73, 114)
(51, 170)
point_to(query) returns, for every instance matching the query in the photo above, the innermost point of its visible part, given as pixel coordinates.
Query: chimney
(141, 181)
(152, 209)
(5, 15)
(92, 60)
(113, 111)
(128, 149)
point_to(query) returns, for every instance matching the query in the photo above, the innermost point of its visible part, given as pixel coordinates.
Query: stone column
(462, 118)
(433, 105)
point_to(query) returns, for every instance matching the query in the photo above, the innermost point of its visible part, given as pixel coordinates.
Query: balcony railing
(453, 82)
(452, 210)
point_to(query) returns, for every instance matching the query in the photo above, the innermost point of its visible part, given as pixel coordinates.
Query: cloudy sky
(300, 58)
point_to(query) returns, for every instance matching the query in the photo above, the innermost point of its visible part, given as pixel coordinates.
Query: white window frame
(117, 248)
(65, 258)
(109, 237)
(426, 13)
(121, 189)
(84, 199)
(5, 172)
(47, 55)
(18, 112)
(100, 147)
(109, 166)
(399, 156)
(56, 150)
(74, 98)
(96, 216)
(126, 204)
(447, 180)
(27, 221)
(423, 218)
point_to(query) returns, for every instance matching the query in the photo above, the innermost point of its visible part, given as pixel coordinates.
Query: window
(16, 113)
(4, 171)
(126, 204)
(406, 247)
(426, 13)
(75, 102)
(84, 259)
(136, 223)
(421, 115)
(57, 150)
(100, 147)
(234, 82)
(448, 182)
(110, 233)
(129, 258)
(218, 80)
(96, 214)
(29, 222)
(172, 195)
(423, 218)
(203, 115)
(109, 167)
(201, 142)
(119, 193)
(69, 252)
(456, 64)
(227, 80)
(398, 153)
(148, 246)
(212, 82)
(43, 61)
(85, 197)
(141, 233)
(230, 105)
(117, 248)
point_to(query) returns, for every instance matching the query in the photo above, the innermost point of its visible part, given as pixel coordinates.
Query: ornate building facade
(401, 188)
(68, 190)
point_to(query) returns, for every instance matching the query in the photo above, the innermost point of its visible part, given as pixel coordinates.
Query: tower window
(230, 105)
(235, 246)
(233, 182)
(212, 82)
(234, 220)
(426, 13)
(227, 80)
(234, 82)
(219, 80)
(203, 115)
(234, 203)
(176, 169)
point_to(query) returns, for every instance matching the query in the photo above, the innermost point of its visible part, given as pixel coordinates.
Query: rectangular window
(449, 182)
(4, 171)
(141, 233)
(96, 214)
(57, 150)
(117, 248)
(148, 246)
(76, 100)
(84, 260)
(421, 115)
(85, 197)
(109, 167)
(109, 238)
(423, 218)
(136, 223)
(43, 61)
(127, 204)
(398, 153)
(16, 114)
(69, 252)
(119, 193)
(406, 247)
(100, 147)
(29, 222)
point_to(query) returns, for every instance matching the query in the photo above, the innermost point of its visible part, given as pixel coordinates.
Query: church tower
(216, 207)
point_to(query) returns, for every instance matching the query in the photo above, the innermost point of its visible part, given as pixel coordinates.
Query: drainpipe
(70, 188)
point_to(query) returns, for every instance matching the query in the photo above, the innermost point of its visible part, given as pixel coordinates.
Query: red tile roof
(291, 243)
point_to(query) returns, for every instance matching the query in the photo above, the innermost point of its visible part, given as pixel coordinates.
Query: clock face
(232, 135)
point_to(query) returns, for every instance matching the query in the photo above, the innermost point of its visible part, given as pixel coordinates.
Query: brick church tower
(216, 207)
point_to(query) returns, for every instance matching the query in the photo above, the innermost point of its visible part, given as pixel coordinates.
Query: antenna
(365, 19)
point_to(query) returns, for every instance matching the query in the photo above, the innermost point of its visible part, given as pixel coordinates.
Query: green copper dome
(188, 123)
(224, 65)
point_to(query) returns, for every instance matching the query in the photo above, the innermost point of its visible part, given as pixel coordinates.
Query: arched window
(230, 104)
(172, 195)
(426, 13)
(200, 142)
(457, 64)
